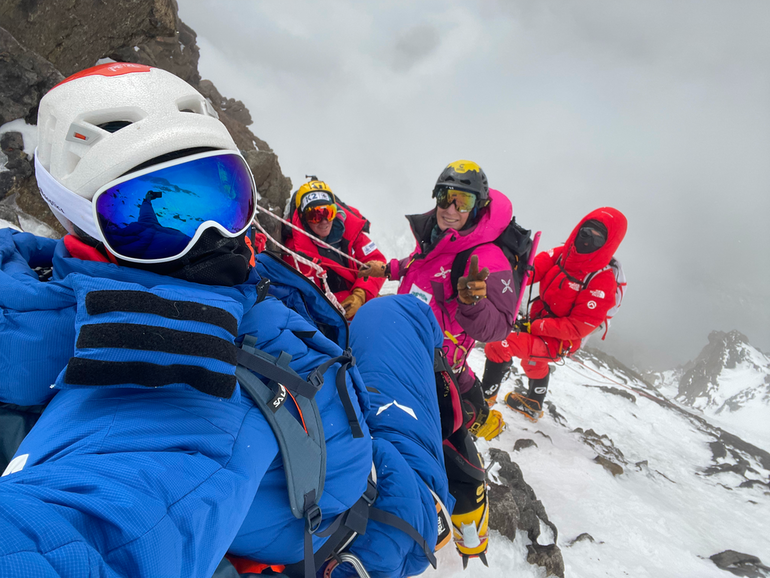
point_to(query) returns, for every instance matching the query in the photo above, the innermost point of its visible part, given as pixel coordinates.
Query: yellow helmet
(313, 192)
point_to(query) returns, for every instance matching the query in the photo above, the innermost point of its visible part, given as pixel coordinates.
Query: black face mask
(213, 260)
(591, 236)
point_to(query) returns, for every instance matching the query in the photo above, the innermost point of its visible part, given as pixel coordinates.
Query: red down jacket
(342, 278)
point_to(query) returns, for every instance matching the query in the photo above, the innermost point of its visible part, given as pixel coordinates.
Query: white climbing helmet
(106, 120)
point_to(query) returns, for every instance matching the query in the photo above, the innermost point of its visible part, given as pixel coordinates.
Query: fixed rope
(628, 387)
(304, 232)
(320, 272)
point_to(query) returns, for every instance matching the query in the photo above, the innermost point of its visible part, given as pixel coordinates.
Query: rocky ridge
(41, 43)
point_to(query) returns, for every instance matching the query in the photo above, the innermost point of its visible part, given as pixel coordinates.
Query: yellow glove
(472, 288)
(376, 269)
(353, 301)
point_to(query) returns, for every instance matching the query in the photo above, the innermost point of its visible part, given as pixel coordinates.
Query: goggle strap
(75, 208)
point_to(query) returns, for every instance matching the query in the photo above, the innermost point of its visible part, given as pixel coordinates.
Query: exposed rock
(24, 78)
(554, 413)
(504, 515)
(609, 465)
(17, 166)
(741, 564)
(523, 444)
(548, 557)
(603, 445)
(68, 35)
(584, 537)
(274, 188)
(73, 35)
(752, 483)
(699, 384)
(616, 391)
(178, 53)
(18, 188)
(513, 502)
(718, 450)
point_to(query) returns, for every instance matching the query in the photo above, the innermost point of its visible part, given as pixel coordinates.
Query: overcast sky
(658, 108)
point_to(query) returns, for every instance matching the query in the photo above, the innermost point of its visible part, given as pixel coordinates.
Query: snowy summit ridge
(729, 382)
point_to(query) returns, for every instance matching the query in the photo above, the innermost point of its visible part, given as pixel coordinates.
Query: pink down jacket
(426, 275)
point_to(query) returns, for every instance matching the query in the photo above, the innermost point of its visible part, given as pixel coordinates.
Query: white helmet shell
(154, 111)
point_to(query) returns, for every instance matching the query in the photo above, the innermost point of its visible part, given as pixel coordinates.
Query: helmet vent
(192, 105)
(114, 125)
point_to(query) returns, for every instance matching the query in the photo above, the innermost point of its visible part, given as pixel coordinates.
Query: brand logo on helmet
(108, 69)
(315, 196)
(465, 166)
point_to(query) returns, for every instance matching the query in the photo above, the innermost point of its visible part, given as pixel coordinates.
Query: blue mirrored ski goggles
(157, 214)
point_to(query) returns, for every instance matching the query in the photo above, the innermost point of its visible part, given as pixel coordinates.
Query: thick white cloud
(659, 108)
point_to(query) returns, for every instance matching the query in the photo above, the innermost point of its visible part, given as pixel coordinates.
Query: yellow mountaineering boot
(491, 428)
(471, 529)
(482, 422)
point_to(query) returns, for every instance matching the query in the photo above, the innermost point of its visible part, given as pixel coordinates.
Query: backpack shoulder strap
(458, 266)
(303, 449)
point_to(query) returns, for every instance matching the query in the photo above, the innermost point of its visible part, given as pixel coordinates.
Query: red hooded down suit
(565, 312)
(342, 277)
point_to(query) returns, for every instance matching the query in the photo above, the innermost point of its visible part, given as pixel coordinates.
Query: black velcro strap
(109, 301)
(151, 338)
(392, 520)
(95, 372)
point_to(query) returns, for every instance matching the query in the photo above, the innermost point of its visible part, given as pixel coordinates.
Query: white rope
(319, 271)
(314, 239)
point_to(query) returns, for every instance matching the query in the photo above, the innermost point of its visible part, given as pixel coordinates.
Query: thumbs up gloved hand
(376, 269)
(472, 288)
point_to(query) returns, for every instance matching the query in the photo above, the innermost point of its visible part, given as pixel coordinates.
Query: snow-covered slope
(658, 488)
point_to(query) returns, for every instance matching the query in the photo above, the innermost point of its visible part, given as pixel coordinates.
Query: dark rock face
(74, 35)
(513, 506)
(741, 564)
(24, 78)
(45, 41)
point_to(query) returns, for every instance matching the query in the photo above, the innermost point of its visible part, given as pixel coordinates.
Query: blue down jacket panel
(394, 339)
(123, 478)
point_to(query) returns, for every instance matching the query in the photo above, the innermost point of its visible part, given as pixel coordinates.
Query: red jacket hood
(579, 265)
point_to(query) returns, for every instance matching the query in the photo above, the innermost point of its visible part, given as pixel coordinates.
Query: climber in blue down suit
(205, 411)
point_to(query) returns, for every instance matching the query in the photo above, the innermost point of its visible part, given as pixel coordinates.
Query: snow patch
(28, 133)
